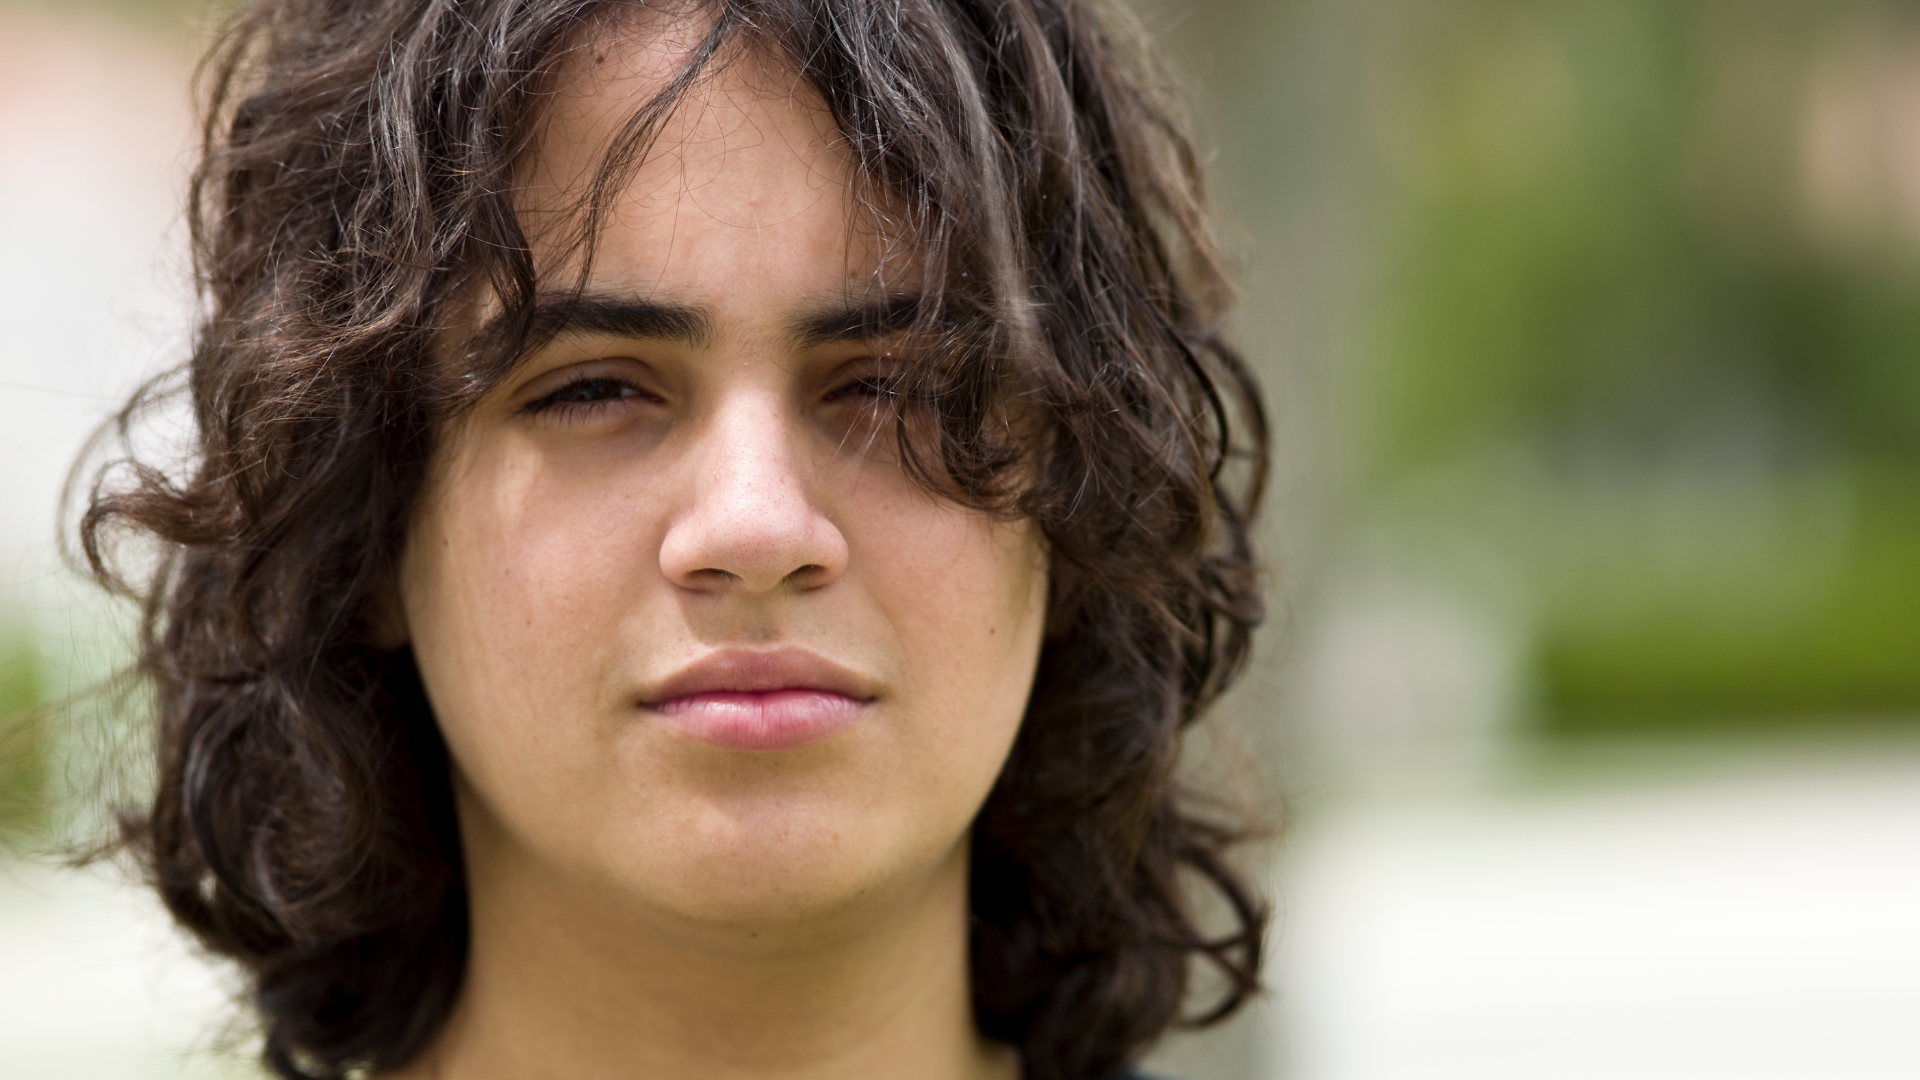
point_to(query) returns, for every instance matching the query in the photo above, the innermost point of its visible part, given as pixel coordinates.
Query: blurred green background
(24, 745)
(1609, 311)
(1649, 287)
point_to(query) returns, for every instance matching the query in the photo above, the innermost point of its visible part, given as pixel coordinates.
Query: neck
(561, 983)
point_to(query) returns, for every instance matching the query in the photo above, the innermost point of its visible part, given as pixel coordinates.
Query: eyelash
(873, 386)
(610, 390)
(613, 389)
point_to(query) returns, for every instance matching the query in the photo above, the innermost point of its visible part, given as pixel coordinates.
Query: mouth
(760, 700)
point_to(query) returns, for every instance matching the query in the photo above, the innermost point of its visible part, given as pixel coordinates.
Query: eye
(584, 396)
(872, 386)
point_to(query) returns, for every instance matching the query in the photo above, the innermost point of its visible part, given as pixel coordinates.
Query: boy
(708, 524)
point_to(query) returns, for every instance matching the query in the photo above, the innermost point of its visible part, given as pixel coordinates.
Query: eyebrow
(863, 322)
(693, 325)
(622, 316)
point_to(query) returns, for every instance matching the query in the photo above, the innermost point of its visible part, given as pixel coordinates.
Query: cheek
(967, 597)
(509, 589)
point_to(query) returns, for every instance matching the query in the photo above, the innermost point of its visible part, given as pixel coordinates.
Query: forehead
(743, 188)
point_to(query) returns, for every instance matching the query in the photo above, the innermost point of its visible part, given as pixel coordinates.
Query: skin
(646, 904)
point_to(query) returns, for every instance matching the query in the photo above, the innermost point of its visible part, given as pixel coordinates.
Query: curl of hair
(357, 178)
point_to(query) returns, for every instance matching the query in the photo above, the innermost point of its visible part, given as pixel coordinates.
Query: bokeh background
(1592, 331)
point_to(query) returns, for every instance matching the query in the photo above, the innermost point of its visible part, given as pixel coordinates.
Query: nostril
(802, 575)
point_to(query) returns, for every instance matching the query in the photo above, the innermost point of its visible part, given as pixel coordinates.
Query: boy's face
(697, 644)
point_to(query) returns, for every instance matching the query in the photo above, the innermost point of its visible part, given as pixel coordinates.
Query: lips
(760, 700)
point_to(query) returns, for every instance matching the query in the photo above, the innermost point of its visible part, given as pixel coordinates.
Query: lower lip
(762, 720)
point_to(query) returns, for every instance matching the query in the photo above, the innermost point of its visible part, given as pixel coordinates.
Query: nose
(750, 522)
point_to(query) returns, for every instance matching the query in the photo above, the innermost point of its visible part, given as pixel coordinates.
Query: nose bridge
(751, 521)
(752, 467)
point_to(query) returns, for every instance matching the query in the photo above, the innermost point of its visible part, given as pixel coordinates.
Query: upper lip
(737, 670)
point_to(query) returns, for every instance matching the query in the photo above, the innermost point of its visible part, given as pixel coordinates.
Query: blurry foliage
(1669, 251)
(24, 744)
(1818, 621)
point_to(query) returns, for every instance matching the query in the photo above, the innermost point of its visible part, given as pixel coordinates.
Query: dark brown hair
(357, 182)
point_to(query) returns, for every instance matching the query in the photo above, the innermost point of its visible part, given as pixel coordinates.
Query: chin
(767, 867)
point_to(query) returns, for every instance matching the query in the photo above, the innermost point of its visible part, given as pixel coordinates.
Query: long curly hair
(357, 184)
